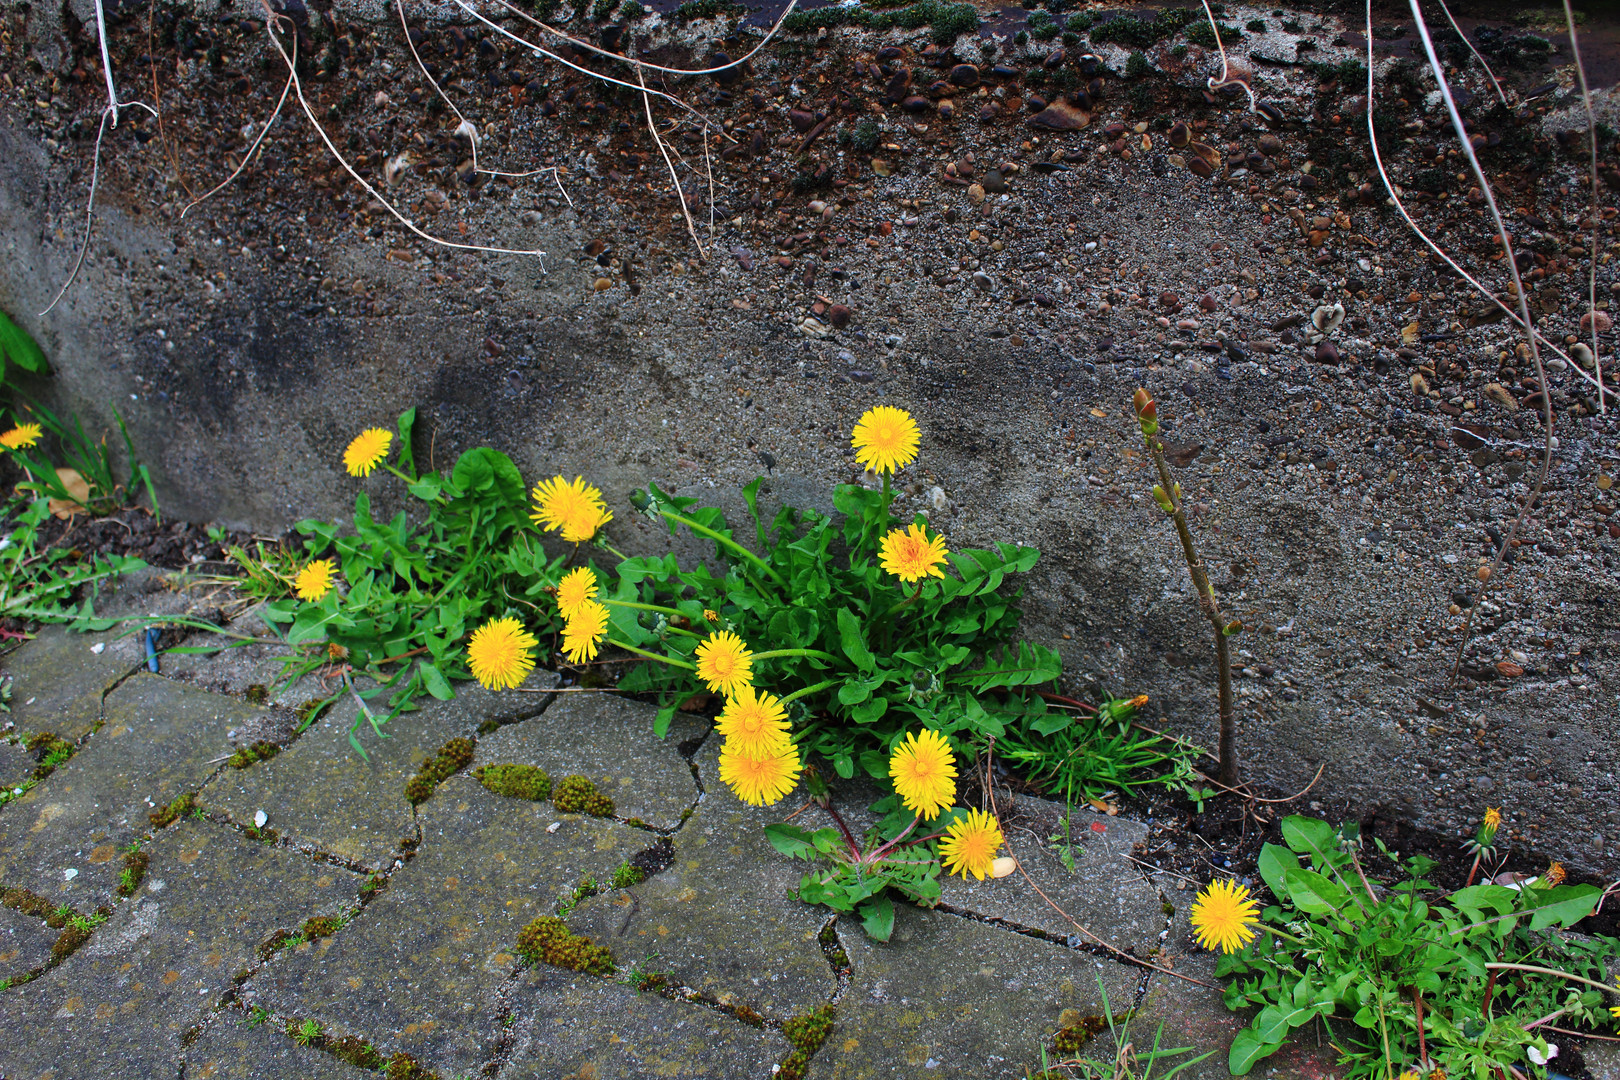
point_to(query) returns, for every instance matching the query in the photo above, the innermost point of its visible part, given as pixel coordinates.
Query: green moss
(373, 885)
(577, 795)
(257, 694)
(515, 781)
(321, 926)
(748, 1016)
(1070, 1040)
(806, 1033)
(1137, 66)
(49, 750)
(165, 816)
(548, 940)
(626, 876)
(833, 948)
(1136, 33)
(404, 1067)
(133, 872)
(252, 755)
(76, 932)
(356, 1051)
(305, 1033)
(452, 757)
(31, 903)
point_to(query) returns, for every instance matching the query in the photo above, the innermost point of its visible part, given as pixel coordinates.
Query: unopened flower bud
(1162, 499)
(1232, 628)
(1147, 412)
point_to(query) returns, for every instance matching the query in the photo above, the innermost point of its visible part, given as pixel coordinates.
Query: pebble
(1061, 115)
(964, 75)
(1169, 301)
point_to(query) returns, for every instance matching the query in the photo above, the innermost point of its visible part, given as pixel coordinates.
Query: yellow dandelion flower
(1409, 1074)
(753, 723)
(970, 844)
(315, 580)
(583, 632)
(725, 663)
(711, 616)
(885, 439)
(574, 508)
(498, 653)
(1222, 916)
(576, 588)
(367, 451)
(924, 773)
(763, 779)
(1614, 1011)
(1555, 875)
(20, 437)
(910, 555)
(1493, 818)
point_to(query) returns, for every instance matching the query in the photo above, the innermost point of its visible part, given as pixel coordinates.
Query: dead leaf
(1102, 806)
(1409, 333)
(76, 487)
(1099, 414)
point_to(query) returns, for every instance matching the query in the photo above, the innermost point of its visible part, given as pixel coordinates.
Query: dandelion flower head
(314, 581)
(754, 723)
(910, 555)
(762, 779)
(576, 588)
(885, 439)
(498, 653)
(970, 844)
(725, 663)
(1222, 916)
(924, 773)
(20, 437)
(367, 451)
(1493, 818)
(575, 509)
(583, 632)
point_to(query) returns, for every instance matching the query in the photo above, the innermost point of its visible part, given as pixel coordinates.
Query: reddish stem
(1423, 1049)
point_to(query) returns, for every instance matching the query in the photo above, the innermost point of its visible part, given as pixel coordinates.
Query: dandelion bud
(1233, 628)
(1162, 499)
(1147, 412)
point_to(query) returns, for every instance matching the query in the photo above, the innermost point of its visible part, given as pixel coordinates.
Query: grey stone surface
(229, 1049)
(952, 997)
(1106, 893)
(724, 918)
(118, 1007)
(58, 679)
(1602, 1060)
(16, 763)
(25, 943)
(65, 837)
(610, 740)
(419, 969)
(319, 792)
(578, 1026)
(239, 666)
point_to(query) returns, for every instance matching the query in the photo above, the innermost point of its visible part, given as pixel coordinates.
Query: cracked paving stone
(58, 679)
(1106, 893)
(953, 997)
(64, 838)
(230, 1049)
(16, 764)
(420, 968)
(579, 1026)
(118, 1007)
(25, 943)
(239, 666)
(725, 918)
(1197, 1016)
(319, 792)
(611, 741)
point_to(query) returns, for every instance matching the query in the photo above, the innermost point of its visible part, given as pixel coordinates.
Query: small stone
(1169, 301)
(1061, 115)
(602, 284)
(1270, 145)
(259, 819)
(1207, 302)
(1327, 353)
(994, 183)
(802, 121)
(916, 104)
(983, 281)
(1501, 395)
(1199, 167)
(1599, 319)
(965, 75)
(839, 315)
(1180, 135)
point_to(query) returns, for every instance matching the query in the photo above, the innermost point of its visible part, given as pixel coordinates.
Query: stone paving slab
(725, 918)
(118, 1007)
(610, 740)
(239, 666)
(571, 1025)
(59, 678)
(320, 793)
(25, 943)
(64, 838)
(949, 996)
(420, 968)
(229, 1049)
(16, 763)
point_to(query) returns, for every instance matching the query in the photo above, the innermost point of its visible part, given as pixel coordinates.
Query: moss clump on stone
(452, 757)
(806, 1033)
(356, 1051)
(548, 940)
(404, 1067)
(50, 750)
(516, 781)
(748, 1016)
(577, 795)
(164, 816)
(1073, 1036)
(257, 694)
(373, 885)
(31, 903)
(320, 926)
(626, 876)
(832, 947)
(263, 750)
(133, 873)
(76, 932)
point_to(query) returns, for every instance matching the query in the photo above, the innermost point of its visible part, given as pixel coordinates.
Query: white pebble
(259, 819)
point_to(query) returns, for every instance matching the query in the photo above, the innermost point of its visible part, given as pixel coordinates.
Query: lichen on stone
(515, 781)
(577, 795)
(548, 940)
(452, 757)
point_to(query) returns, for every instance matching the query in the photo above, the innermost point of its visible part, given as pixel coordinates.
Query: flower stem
(1551, 971)
(722, 538)
(1274, 932)
(776, 653)
(806, 691)
(908, 601)
(611, 550)
(651, 655)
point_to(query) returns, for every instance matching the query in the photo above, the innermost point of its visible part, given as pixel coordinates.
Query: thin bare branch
(89, 211)
(1495, 85)
(246, 158)
(106, 63)
(1591, 140)
(652, 126)
(1227, 78)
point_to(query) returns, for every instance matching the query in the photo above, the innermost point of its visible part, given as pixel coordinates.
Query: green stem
(651, 655)
(611, 550)
(805, 691)
(907, 602)
(1274, 932)
(722, 538)
(655, 607)
(775, 653)
(1552, 971)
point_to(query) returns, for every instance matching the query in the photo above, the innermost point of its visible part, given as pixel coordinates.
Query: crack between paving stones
(1068, 942)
